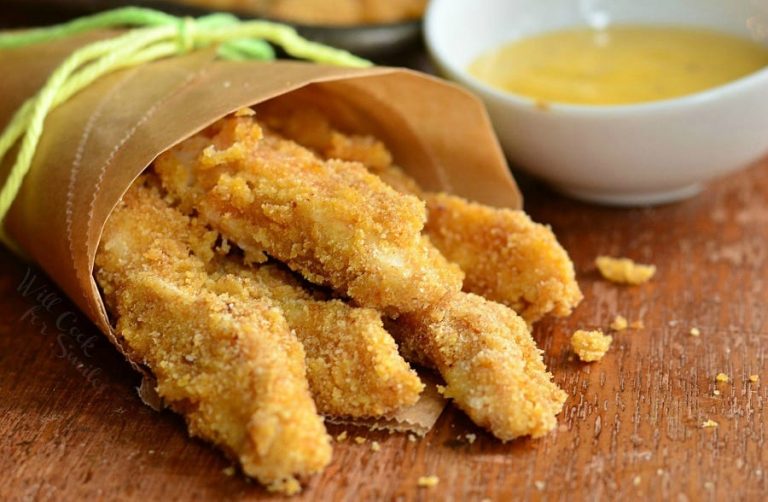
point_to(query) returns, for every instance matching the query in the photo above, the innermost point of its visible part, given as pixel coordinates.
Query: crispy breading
(491, 365)
(231, 367)
(505, 256)
(483, 349)
(311, 128)
(353, 364)
(332, 221)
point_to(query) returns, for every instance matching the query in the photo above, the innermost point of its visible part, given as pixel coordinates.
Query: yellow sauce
(619, 65)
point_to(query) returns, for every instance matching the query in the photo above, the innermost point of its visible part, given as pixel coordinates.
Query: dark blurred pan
(370, 41)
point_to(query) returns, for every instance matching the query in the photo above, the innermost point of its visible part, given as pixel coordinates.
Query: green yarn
(155, 35)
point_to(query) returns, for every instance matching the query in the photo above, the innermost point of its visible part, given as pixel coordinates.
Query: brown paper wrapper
(97, 143)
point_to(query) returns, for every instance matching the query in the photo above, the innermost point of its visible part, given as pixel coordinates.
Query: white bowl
(624, 155)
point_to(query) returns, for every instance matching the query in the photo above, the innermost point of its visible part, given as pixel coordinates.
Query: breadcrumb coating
(231, 367)
(332, 221)
(624, 270)
(505, 256)
(353, 364)
(590, 345)
(491, 365)
(339, 225)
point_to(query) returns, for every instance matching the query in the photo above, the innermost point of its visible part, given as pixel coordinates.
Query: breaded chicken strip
(483, 350)
(505, 256)
(492, 367)
(353, 364)
(331, 221)
(227, 362)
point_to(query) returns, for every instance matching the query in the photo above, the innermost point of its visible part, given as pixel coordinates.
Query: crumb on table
(709, 424)
(722, 377)
(375, 446)
(341, 437)
(754, 378)
(428, 481)
(590, 345)
(695, 332)
(624, 270)
(359, 440)
(619, 323)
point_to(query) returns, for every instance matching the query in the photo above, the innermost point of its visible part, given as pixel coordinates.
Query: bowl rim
(463, 76)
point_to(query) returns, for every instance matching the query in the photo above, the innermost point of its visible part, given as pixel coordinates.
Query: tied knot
(186, 34)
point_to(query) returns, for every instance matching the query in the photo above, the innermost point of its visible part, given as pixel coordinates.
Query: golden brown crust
(491, 365)
(337, 224)
(225, 360)
(506, 257)
(331, 221)
(353, 364)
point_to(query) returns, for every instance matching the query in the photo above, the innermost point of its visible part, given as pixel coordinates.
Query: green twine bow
(156, 35)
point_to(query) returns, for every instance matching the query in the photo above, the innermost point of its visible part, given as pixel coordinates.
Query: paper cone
(97, 143)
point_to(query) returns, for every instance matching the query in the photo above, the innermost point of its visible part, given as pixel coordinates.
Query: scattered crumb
(754, 378)
(637, 324)
(590, 345)
(428, 481)
(540, 485)
(440, 389)
(716, 392)
(229, 471)
(709, 486)
(375, 446)
(722, 377)
(151, 452)
(624, 270)
(342, 437)
(411, 438)
(637, 480)
(619, 323)
(360, 440)
(471, 438)
(709, 424)
(659, 471)
(695, 332)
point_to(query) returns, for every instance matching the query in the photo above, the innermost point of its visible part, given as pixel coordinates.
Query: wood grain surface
(73, 428)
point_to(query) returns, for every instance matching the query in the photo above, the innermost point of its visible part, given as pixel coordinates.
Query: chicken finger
(505, 256)
(491, 365)
(331, 221)
(353, 364)
(233, 369)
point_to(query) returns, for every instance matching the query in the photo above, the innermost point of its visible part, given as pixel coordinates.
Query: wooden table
(72, 426)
